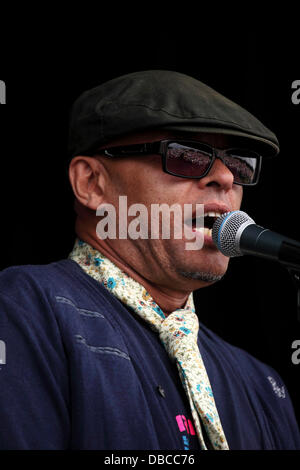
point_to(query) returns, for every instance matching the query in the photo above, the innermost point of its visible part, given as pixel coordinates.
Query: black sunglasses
(192, 159)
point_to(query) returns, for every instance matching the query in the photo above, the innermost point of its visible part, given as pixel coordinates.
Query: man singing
(104, 349)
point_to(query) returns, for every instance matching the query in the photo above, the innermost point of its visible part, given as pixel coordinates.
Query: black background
(47, 63)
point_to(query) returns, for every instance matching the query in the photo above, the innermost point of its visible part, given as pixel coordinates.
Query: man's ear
(87, 176)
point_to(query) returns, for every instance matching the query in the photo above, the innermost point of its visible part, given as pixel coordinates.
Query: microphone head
(227, 230)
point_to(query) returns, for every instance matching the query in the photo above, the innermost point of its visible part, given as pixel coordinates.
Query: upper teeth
(212, 214)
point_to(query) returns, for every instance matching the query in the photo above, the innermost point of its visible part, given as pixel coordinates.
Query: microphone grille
(226, 232)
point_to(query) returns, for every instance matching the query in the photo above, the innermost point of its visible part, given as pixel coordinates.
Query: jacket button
(161, 391)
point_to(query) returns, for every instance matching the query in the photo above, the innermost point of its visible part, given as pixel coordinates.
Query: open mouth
(205, 226)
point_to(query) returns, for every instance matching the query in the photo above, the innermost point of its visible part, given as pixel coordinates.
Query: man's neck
(167, 299)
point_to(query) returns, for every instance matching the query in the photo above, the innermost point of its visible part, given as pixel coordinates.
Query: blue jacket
(83, 372)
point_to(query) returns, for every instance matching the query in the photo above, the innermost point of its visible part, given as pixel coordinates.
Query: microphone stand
(289, 256)
(295, 275)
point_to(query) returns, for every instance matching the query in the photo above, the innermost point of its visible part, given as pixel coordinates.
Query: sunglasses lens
(243, 168)
(183, 159)
(187, 161)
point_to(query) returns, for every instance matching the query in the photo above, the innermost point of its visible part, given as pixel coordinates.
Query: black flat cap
(160, 99)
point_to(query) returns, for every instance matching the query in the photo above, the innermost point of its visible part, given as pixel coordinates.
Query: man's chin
(203, 276)
(208, 266)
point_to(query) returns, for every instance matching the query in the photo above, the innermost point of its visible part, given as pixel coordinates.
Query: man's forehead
(214, 139)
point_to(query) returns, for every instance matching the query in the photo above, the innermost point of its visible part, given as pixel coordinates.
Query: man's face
(142, 180)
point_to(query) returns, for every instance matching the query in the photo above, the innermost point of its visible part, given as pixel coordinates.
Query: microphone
(236, 234)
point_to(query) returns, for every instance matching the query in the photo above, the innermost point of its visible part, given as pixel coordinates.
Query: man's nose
(218, 175)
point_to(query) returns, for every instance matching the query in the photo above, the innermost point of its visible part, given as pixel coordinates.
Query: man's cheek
(238, 197)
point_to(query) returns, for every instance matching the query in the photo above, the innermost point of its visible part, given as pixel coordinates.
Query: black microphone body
(258, 241)
(236, 234)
